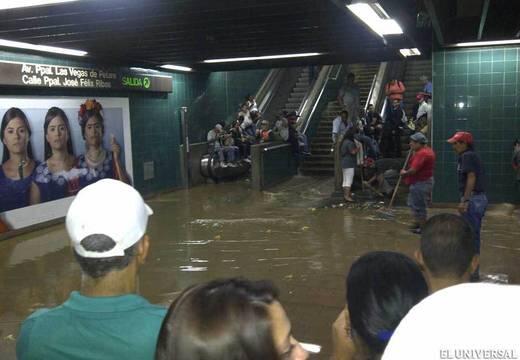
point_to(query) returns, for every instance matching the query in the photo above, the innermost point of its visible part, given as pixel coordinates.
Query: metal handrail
(274, 147)
(321, 83)
(370, 91)
(266, 91)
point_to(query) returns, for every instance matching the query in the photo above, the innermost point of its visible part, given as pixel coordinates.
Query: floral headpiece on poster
(89, 108)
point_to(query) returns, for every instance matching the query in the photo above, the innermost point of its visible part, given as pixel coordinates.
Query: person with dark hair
(97, 162)
(348, 97)
(382, 287)
(57, 177)
(348, 151)
(374, 124)
(391, 137)
(419, 176)
(447, 252)
(251, 103)
(428, 86)
(232, 319)
(17, 187)
(470, 174)
(340, 125)
(106, 319)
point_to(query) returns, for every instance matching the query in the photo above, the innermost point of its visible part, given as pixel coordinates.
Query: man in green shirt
(106, 319)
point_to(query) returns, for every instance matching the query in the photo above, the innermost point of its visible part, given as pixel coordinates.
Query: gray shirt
(348, 160)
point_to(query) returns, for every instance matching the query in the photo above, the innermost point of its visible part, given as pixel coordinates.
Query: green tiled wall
(477, 90)
(222, 93)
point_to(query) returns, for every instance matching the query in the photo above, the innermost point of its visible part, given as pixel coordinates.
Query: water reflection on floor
(213, 231)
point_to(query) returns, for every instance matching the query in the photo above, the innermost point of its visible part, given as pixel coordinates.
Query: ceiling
(149, 33)
(458, 21)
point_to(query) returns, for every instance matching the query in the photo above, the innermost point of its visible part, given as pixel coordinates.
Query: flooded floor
(224, 230)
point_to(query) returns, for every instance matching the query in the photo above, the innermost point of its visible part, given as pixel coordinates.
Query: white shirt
(339, 127)
(425, 108)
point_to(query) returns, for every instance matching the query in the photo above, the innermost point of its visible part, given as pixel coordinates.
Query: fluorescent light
(13, 4)
(369, 16)
(176, 67)
(410, 52)
(44, 48)
(145, 70)
(268, 57)
(486, 43)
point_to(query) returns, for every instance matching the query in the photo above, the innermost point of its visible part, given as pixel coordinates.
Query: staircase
(321, 162)
(413, 71)
(298, 92)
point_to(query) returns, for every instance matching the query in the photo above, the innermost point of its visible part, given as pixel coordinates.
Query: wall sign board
(62, 76)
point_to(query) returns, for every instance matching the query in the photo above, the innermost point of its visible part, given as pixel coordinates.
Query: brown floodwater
(213, 231)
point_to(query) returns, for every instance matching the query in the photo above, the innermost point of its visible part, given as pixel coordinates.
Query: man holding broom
(419, 176)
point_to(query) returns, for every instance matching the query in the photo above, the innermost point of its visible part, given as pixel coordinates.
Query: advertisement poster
(46, 159)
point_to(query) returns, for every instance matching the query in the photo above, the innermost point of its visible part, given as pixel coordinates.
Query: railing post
(338, 171)
(185, 155)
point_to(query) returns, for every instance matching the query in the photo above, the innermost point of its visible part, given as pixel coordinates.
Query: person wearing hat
(470, 175)
(419, 176)
(105, 319)
(466, 321)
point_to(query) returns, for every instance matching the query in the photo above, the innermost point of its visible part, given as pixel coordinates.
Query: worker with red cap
(470, 173)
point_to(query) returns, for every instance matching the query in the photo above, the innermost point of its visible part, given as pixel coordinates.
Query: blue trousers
(419, 197)
(476, 210)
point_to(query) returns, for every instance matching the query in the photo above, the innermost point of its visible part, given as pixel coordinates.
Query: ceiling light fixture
(44, 48)
(267, 57)
(410, 52)
(177, 67)
(133, 68)
(486, 43)
(376, 18)
(26, 3)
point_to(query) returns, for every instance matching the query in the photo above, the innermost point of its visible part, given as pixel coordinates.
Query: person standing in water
(470, 173)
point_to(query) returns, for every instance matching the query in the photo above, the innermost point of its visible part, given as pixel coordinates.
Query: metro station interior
(166, 73)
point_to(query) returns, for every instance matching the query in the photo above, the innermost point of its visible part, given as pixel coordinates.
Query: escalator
(321, 162)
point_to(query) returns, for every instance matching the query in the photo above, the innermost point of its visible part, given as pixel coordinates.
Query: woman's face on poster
(16, 136)
(93, 132)
(57, 134)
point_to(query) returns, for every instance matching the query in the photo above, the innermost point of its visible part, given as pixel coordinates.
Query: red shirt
(423, 161)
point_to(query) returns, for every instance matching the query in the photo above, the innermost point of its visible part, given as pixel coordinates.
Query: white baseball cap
(108, 207)
(467, 321)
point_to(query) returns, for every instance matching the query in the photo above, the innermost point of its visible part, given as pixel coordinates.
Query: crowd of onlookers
(380, 135)
(232, 143)
(391, 303)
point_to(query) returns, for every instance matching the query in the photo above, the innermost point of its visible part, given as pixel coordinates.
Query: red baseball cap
(461, 136)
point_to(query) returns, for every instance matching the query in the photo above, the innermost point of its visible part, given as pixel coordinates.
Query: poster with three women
(53, 147)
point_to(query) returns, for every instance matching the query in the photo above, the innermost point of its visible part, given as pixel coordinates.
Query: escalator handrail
(326, 75)
(268, 88)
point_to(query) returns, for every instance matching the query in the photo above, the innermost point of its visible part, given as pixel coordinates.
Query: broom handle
(399, 180)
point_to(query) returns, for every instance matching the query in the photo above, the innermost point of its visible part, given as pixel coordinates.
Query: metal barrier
(271, 164)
